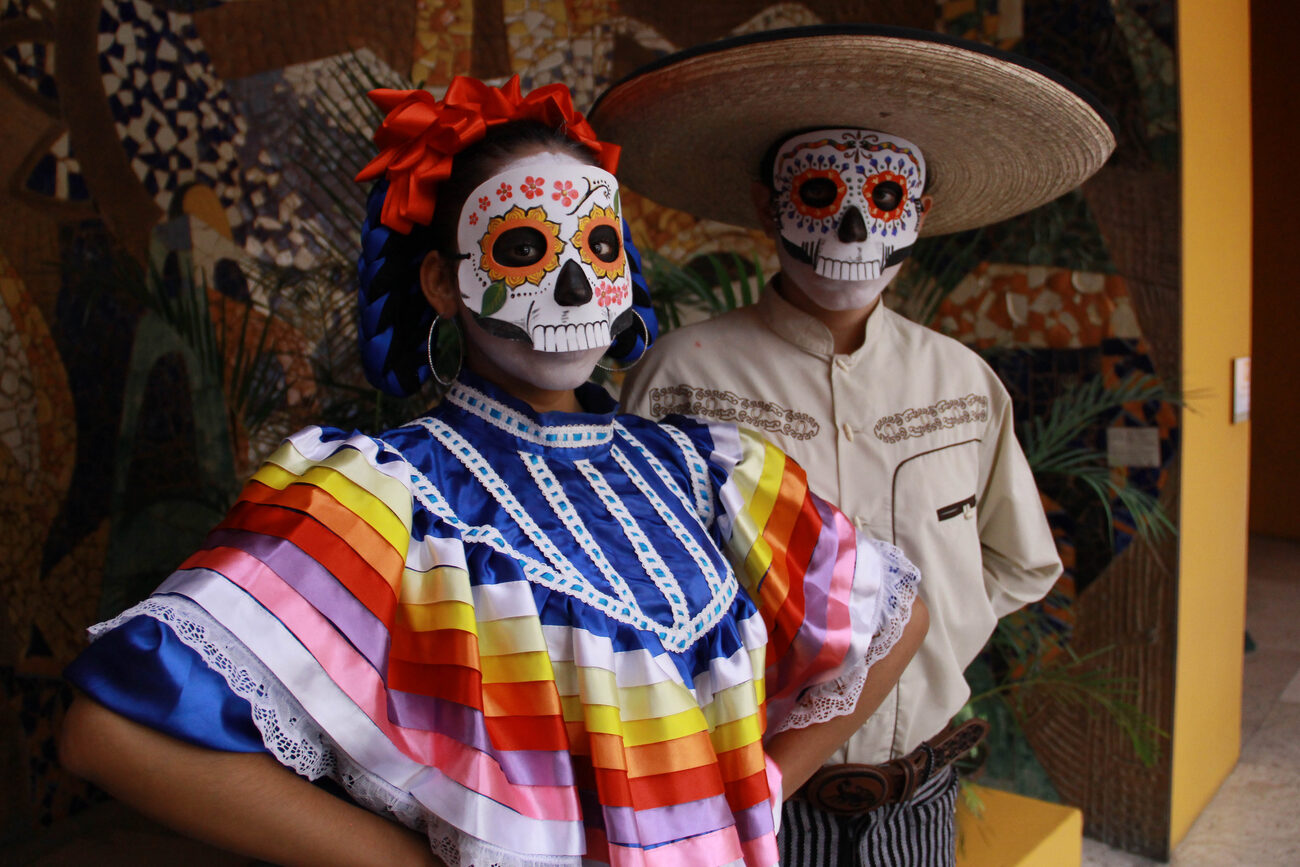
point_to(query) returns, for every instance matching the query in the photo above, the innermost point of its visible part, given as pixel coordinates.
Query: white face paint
(849, 210)
(554, 371)
(546, 264)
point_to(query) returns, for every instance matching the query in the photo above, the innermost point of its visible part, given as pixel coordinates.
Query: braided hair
(394, 317)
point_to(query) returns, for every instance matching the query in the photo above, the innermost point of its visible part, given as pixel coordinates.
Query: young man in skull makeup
(845, 144)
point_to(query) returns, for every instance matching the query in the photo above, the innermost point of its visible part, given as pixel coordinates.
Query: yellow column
(1214, 61)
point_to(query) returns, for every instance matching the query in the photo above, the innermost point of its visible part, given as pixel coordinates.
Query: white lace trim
(719, 583)
(277, 714)
(699, 473)
(838, 697)
(558, 573)
(517, 424)
(644, 550)
(298, 743)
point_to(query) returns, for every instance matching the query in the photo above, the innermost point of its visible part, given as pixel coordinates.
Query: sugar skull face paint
(546, 264)
(848, 202)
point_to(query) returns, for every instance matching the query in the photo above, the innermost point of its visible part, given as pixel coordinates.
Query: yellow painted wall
(1214, 58)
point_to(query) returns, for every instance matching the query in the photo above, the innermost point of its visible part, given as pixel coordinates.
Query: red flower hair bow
(420, 135)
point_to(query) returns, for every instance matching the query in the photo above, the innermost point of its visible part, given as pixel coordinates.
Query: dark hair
(482, 160)
(393, 316)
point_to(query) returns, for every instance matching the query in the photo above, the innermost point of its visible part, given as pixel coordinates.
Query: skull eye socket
(519, 247)
(887, 195)
(599, 241)
(603, 243)
(817, 193)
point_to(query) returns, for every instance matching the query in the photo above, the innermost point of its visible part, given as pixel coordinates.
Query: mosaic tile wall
(200, 151)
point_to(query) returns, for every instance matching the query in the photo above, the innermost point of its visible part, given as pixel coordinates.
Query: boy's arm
(1021, 562)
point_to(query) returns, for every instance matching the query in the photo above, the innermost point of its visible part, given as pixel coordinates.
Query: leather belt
(851, 789)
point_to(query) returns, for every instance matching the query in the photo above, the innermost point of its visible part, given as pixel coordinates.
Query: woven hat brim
(1000, 134)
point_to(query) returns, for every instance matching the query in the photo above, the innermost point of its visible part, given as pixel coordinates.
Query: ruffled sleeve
(339, 618)
(834, 601)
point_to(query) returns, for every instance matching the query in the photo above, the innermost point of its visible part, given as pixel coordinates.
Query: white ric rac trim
(519, 425)
(560, 575)
(699, 471)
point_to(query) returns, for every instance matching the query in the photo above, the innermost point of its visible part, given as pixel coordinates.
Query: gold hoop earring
(428, 347)
(645, 329)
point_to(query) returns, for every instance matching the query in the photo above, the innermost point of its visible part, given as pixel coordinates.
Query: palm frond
(1020, 646)
(935, 268)
(710, 285)
(1046, 437)
(1051, 445)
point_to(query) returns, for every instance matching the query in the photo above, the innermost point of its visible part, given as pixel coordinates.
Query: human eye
(519, 247)
(604, 243)
(818, 192)
(887, 195)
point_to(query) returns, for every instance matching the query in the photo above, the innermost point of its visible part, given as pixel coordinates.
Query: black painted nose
(853, 229)
(572, 288)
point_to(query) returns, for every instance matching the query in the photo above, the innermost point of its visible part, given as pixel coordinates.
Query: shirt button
(848, 431)
(842, 362)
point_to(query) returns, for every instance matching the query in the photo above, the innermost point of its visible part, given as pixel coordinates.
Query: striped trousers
(916, 833)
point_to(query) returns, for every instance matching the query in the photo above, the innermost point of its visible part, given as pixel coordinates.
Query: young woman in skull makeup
(530, 629)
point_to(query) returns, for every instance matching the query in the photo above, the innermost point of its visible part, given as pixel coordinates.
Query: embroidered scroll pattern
(730, 407)
(924, 420)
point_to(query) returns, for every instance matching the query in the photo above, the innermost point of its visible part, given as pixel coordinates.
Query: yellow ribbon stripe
(439, 584)
(510, 637)
(437, 615)
(759, 558)
(731, 704)
(351, 464)
(517, 668)
(602, 719)
(354, 496)
(734, 735)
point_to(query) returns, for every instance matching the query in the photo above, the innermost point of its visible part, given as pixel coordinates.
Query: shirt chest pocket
(935, 510)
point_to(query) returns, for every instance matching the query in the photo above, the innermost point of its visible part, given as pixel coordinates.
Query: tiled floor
(1252, 821)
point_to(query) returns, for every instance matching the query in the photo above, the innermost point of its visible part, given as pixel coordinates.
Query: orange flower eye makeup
(599, 241)
(817, 193)
(521, 246)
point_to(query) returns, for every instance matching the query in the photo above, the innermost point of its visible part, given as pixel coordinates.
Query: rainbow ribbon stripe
(454, 693)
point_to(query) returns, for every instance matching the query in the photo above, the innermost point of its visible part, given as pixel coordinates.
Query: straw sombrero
(1000, 134)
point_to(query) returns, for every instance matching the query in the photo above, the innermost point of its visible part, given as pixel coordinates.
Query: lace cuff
(826, 701)
(295, 739)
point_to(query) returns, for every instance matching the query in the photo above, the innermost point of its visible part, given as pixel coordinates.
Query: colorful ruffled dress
(554, 638)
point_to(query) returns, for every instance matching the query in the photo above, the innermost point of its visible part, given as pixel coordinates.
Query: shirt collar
(483, 405)
(807, 332)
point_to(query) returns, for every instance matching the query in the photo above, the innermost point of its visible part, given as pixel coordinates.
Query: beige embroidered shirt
(911, 435)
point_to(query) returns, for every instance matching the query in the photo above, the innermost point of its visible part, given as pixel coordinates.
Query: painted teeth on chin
(834, 269)
(570, 338)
